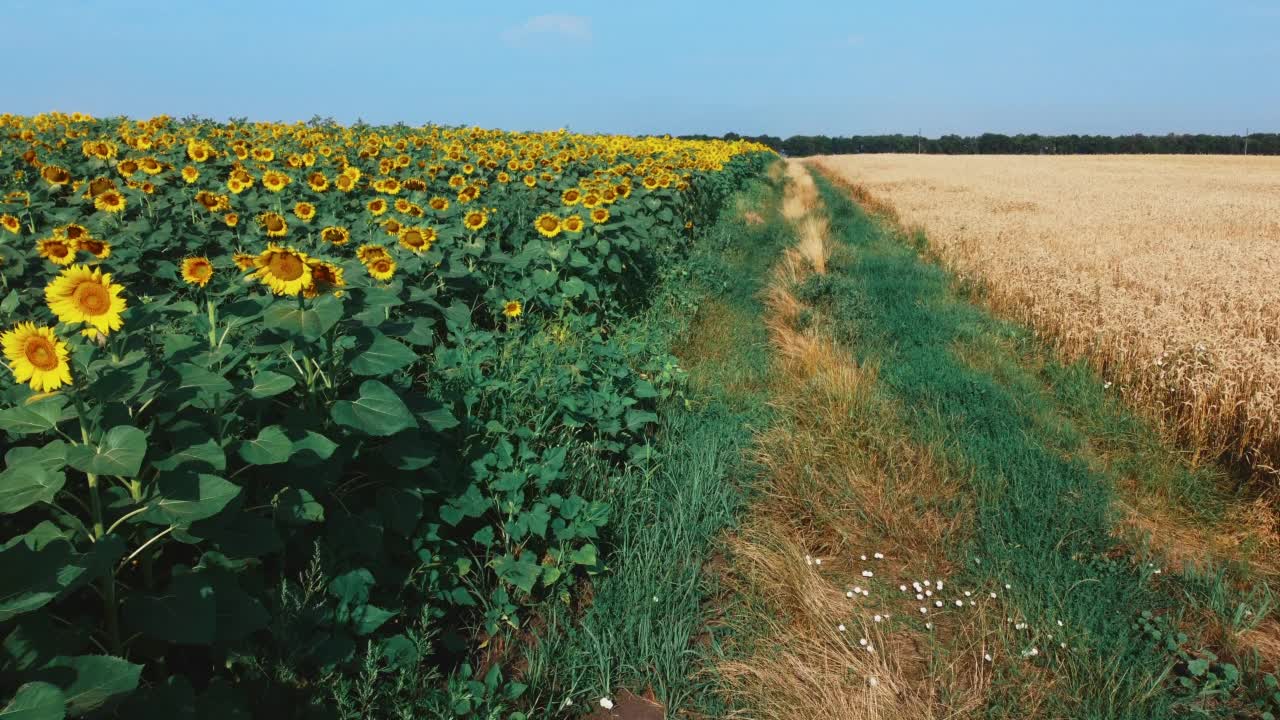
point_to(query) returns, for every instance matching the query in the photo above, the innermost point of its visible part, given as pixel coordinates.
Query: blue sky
(660, 66)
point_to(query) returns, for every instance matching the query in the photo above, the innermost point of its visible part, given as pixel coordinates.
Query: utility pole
(1246, 141)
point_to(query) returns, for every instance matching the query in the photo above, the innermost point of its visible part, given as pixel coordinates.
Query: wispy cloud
(573, 28)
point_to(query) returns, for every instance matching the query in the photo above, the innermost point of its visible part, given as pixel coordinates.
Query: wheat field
(1161, 271)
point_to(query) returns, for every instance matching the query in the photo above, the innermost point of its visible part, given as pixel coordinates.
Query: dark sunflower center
(40, 353)
(285, 266)
(91, 298)
(201, 271)
(275, 224)
(413, 238)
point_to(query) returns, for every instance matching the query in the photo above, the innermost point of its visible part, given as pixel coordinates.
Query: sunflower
(11, 223)
(127, 167)
(55, 175)
(438, 204)
(402, 205)
(336, 235)
(513, 309)
(600, 215)
(231, 219)
(324, 276)
(275, 181)
(377, 206)
(72, 231)
(150, 166)
(369, 253)
(475, 220)
(100, 249)
(548, 225)
(531, 181)
(110, 201)
(190, 174)
(57, 250)
(572, 196)
(651, 182)
(417, 239)
(468, 193)
(81, 294)
(243, 261)
(318, 182)
(504, 177)
(199, 151)
(457, 181)
(283, 269)
(37, 357)
(573, 224)
(381, 268)
(304, 211)
(274, 224)
(591, 200)
(212, 201)
(391, 227)
(344, 183)
(197, 270)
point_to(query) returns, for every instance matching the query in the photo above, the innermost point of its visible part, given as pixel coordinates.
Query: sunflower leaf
(308, 322)
(184, 498)
(382, 356)
(267, 384)
(40, 416)
(271, 447)
(119, 452)
(26, 484)
(36, 701)
(378, 411)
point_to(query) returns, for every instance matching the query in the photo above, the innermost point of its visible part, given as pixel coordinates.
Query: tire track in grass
(847, 514)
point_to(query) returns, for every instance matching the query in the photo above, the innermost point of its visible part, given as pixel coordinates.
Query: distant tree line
(1033, 144)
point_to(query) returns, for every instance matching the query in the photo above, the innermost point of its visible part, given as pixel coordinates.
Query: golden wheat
(1160, 270)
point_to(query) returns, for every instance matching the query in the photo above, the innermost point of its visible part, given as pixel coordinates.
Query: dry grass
(1161, 271)
(836, 486)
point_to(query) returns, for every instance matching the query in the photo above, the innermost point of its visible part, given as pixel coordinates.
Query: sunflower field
(287, 405)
